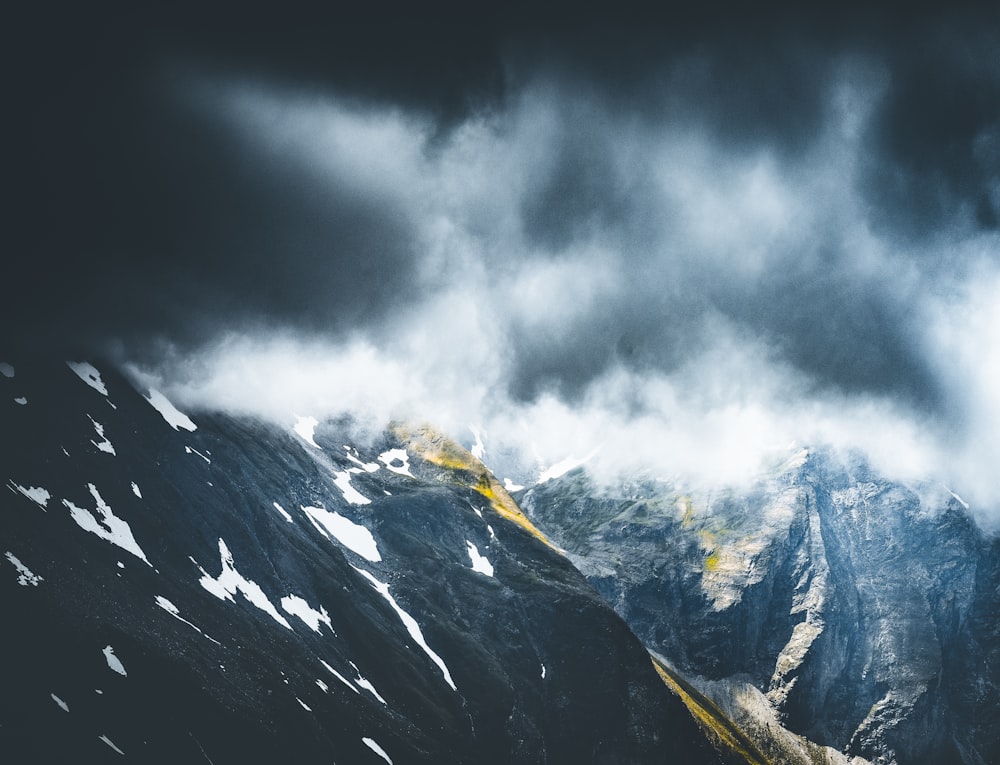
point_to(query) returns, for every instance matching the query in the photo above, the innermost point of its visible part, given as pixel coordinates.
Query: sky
(685, 241)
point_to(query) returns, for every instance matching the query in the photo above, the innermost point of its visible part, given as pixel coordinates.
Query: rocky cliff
(858, 612)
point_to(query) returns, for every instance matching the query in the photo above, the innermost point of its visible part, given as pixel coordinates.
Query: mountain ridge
(269, 595)
(860, 607)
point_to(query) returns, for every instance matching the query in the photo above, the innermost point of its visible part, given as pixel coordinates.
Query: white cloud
(719, 388)
(965, 333)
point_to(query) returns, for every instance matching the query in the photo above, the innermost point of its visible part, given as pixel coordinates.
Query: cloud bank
(686, 248)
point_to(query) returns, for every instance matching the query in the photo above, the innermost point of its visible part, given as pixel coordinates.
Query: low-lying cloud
(575, 280)
(678, 249)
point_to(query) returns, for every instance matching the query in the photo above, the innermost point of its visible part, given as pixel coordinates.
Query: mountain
(856, 612)
(185, 587)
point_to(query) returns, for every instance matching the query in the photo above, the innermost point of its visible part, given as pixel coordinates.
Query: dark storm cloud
(154, 207)
(934, 145)
(138, 214)
(681, 229)
(928, 169)
(846, 332)
(148, 215)
(761, 77)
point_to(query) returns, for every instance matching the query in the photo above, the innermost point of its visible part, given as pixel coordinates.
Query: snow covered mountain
(859, 613)
(185, 587)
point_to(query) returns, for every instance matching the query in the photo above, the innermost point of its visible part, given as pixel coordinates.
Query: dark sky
(601, 193)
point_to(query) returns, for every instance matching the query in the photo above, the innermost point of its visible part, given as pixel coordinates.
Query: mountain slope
(865, 610)
(211, 588)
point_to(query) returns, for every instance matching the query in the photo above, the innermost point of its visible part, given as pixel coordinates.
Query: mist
(681, 248)
(576, 281)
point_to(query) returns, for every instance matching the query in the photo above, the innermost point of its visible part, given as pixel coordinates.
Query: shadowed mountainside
(217, 589)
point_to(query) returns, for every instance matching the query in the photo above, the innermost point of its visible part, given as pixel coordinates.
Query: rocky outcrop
(863, 610)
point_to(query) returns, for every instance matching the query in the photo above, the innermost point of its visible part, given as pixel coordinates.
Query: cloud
(688, 246)
(737, 303)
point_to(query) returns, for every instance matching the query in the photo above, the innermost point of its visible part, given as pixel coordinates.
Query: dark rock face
(237, 594)
(867, 611)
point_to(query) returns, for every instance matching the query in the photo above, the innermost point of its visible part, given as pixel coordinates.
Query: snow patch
(114, 663)
(107, 741)
(363, 682)
(175, 418)
(306, 428)
(25, 576)
(89, 374)
(6, 369)
(478, 449)
(410, 623)
(171, 609)
(284, 513)
(376, 748)
(36, 494)
(342, 480)
(297, 606)
(351, 535)
(961, 501)
(509, 485)
(191, 450)
(479, 562)
(230, 581)
(339, 676)
(110, 527)
(391, 457)
(104, 444)
(353, 456)
(62, 704)
(564, 466)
